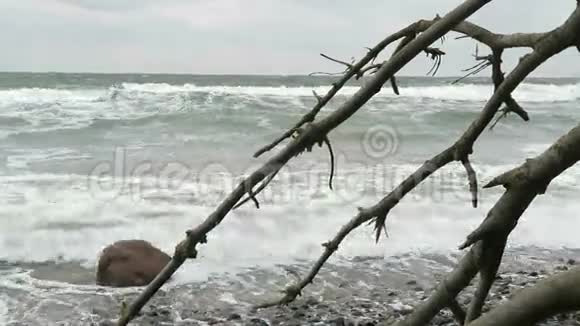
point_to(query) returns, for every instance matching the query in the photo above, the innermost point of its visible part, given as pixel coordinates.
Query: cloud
(242, 36)
(274, 15)
(109, 5)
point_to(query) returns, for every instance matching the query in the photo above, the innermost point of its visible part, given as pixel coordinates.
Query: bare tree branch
(447, 290)
(530, 180)
(436, 55)
(524, 184)
(457, 311)
(313, 133)
(262, 186)
(324, 73)
(498, 77)
(482, 64)
(458, 151)
(294, 290)
(463, 147)
(336, 86)
(472, 177)
(493, 40)
(556, 294)
(489, 261)
(373, 67)
(332, 167)
(318, 98)
(348, 65)
(401, 45)
(495, 61)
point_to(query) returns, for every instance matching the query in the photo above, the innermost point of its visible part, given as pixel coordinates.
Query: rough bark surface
(554, 295)
(522, 185)
(558, 40)
(313, 133)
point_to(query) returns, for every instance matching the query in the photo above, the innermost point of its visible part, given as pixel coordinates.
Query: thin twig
(498, 77)
(374, 67)
(482, 64)
(252, 196)
(379, 211)
(318, 98)
(310, 116)
(462, 37)
(472, 177)
(458, 312)
(504, 112)
(400, 46)
(348, 65)
(332, 167)
(263, 185)
(318, 130)
(474, 31)
(294, 290)
(435, 55)
(323, 73)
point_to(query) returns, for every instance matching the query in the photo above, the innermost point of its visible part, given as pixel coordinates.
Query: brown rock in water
(130, 263)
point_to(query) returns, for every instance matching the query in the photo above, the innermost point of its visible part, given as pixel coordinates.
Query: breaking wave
(527, 92)
(468, 92)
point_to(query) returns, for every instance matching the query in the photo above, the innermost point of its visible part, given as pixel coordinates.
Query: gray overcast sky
(243, 36)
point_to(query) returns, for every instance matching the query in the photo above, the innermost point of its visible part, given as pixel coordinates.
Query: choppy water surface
(86, 160)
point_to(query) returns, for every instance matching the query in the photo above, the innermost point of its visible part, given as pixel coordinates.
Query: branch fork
(489, 239)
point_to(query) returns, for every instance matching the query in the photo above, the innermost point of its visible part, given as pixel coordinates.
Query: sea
(89, 159)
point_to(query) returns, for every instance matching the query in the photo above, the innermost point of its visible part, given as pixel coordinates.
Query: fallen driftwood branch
(494, 41)
(312, 133)
(556, 294)
(485, 255)
(554, 42)
(522, 185)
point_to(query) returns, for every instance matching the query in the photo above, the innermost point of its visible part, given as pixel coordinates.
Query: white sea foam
(45, 110)
(47, 95)
(69, 223)
(468, 92)
(71, 217)
(21, 158)
(4, 318)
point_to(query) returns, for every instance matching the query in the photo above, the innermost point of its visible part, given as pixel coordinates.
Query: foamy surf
(4, 317)
(105, 158)
(73, 217)
(526, 92)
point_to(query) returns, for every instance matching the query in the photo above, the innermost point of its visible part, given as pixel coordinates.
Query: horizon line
(241, 74)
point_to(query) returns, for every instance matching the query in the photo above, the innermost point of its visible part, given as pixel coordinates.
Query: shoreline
(383, 306)
(359, 291)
